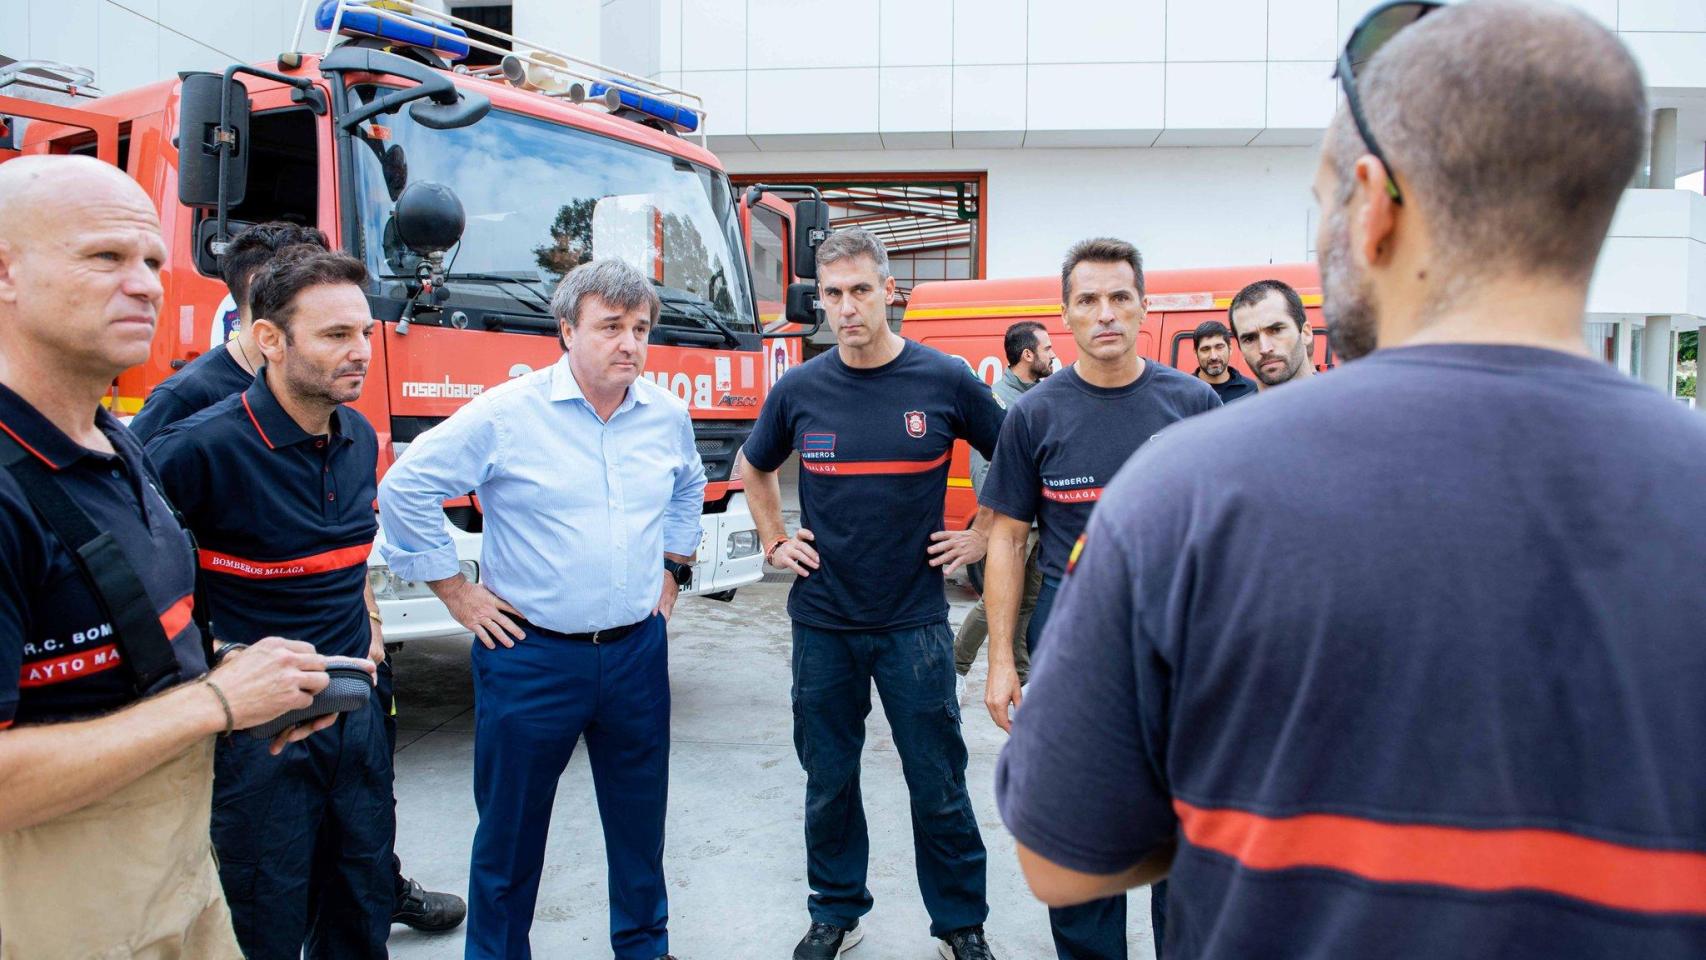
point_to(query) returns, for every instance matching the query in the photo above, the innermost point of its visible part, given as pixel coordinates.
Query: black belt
(607, 635)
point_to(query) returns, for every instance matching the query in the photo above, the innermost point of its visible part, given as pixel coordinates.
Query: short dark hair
(294, 270)
(253, 246)
(1257, 292)
(1515, 127)
(1209, 329)
(1099, 250)
(1020, 337)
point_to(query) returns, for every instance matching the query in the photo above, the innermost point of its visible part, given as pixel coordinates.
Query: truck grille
(717, 442)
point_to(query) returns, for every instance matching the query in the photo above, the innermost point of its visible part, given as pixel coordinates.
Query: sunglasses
(1376, 28)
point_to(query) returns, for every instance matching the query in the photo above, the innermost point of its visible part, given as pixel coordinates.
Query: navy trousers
(388, 704)
(1094, 930)
(914, 674)
(304, 840)
(532, 702)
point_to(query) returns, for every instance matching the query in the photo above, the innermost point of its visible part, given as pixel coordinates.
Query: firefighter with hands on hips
(108, 713)
(874, 422)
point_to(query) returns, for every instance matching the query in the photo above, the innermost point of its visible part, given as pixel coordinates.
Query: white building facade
(1187, 126)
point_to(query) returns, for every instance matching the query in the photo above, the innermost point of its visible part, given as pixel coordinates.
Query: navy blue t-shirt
(58, 656)
(1065, 439)
(203, 382)
(874, 447)
(284, 519)
(1410, 660)
(1236, 386)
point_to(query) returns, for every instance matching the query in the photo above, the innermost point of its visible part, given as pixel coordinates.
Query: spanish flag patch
(1077, 548)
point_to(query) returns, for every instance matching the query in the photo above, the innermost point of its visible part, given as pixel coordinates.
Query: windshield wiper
(703, 313)
(543, 305)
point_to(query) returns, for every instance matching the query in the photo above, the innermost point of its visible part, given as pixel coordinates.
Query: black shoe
(967, 944)
(826, 941)
(429, 912)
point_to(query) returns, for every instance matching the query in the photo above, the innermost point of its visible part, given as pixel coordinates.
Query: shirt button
(319, 444)
(117, 475)
(331, 496)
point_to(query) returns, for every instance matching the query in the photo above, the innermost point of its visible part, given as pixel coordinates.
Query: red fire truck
(468, 193)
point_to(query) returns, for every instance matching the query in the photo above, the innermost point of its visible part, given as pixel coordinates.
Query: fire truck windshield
(542, 198)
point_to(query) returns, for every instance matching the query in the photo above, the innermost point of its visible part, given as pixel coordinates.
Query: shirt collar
(564, 386)
(1017, 382)
(277, 428)
(40, 437)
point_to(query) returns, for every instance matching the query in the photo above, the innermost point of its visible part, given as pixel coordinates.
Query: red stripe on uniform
(177, 616)
(1551, 861)
(250, 411)
(13, 434)
(4, 724)
(69, 667)
(339, 559)
(869, 468)
(1077, 495)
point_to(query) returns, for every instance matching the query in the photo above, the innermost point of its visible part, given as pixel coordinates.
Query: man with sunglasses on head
(1464, 727)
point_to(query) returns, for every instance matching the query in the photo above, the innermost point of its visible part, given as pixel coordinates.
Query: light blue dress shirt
(578, 512)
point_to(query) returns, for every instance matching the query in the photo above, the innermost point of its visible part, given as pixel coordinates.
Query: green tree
(571, 238)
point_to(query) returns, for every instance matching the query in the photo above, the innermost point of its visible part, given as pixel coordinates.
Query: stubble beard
(1347, 305)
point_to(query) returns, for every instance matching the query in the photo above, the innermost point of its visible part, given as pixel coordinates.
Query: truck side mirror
(202, 140)
(811, 225)
(802, 305)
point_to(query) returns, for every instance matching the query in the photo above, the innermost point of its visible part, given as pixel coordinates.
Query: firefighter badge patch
(915, 426)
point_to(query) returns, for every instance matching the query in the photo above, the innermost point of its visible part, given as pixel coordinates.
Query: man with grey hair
(874, 422)
(1405, 661)
(587, 475)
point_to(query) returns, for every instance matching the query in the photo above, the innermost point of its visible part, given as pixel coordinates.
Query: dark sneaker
(967, 944)
(826, 941)
(429, 912)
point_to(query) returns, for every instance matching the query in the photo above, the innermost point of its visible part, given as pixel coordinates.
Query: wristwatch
(225, 650)
(682, 572)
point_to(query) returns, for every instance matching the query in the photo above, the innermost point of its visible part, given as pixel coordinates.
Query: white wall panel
(713, 34)
(989, 106)
(1225, 30)
(725, 98)
(1301, 96)
(916, 33)
(811, 101)
(1671, 60)
(59, 30)
(628, 35)
(1214, 104)
(127, 58)
(1067, 101)
(1661, 15)
(1303, 29)
(811, 33)
(989, 31)
(669, 32)
(1098, 31)
(916, 99)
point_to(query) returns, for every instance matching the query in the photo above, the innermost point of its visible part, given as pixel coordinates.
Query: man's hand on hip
(1001, 694)
(796, 553)
(667, 598)
(484, 613)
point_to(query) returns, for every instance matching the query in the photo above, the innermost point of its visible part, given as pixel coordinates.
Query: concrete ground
(735, 854)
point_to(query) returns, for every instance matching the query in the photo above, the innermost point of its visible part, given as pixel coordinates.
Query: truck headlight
(742, 544)
(388, 586)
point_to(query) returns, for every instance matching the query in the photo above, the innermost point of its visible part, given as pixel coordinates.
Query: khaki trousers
(128, 876)
(975, 629)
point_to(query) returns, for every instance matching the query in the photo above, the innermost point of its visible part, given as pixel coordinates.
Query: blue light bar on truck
(365, 23)
(684, 119)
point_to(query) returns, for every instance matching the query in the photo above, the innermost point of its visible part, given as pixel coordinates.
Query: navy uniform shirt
(284, 519)
(1408, 659)
(1065, 439)
(874, 447)
(1235, 387)
(58, 659)
(205, 381)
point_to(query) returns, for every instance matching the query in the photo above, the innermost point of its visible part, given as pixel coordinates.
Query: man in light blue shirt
(591, 489)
